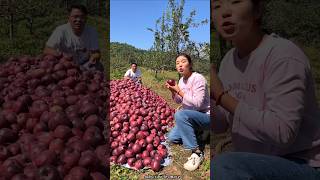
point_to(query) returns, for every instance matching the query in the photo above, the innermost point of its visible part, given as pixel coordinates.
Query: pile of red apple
(139, 119)
(51, 120)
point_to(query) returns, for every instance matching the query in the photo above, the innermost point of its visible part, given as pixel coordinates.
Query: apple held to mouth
(171, 82)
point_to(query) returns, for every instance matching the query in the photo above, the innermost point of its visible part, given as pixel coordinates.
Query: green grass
(158, 84)
(179, 155)
(118, 172)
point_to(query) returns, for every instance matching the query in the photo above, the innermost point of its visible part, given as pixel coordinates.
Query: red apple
(171, 82)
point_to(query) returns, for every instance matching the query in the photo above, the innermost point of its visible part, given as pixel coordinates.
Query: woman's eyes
(181, 62)
(235, 2)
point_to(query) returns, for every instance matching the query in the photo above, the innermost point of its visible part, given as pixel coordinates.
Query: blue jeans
(251, 166)
(187, 122)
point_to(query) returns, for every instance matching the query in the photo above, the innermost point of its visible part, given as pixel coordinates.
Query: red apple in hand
(171, 82)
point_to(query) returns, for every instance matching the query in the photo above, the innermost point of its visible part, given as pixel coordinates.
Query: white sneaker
(193, 162)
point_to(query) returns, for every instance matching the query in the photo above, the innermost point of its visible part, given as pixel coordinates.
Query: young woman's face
(183, 66)
(233, 18)
(134, 67)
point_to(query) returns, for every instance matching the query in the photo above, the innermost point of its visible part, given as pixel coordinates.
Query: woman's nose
(226, 11)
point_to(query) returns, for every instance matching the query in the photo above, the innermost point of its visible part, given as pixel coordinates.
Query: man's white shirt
(133, 75)
(64, 40)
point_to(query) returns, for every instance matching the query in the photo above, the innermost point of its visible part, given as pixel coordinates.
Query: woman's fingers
(171, 88)
(167, 85)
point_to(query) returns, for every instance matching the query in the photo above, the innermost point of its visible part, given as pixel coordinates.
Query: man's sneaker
(193, 162)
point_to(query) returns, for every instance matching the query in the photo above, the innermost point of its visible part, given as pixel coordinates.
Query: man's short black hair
(81, 7)
(134, 64)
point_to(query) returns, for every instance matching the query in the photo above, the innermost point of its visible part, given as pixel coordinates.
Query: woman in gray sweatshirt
(265, 93)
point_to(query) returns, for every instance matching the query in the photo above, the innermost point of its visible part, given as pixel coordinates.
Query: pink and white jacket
(196, 94)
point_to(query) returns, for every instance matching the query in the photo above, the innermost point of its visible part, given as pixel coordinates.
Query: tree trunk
(197, 50)
(98, 6)
(30, 21)
(87, 5)
(11, 27)
(66, 4)
(31, 30)
(178, 52)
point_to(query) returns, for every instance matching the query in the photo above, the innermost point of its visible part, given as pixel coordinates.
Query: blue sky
(129, 20)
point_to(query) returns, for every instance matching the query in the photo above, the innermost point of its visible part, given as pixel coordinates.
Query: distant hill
(124, 50)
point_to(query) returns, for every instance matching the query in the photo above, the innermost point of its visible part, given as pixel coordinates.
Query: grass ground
(179, 155)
